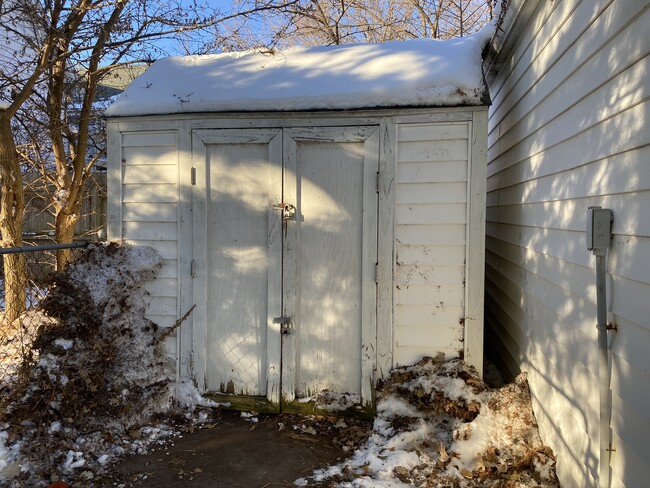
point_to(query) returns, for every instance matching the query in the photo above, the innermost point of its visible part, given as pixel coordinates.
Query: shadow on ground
(235, 452)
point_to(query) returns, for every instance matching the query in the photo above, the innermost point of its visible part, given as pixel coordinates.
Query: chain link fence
(25, 279)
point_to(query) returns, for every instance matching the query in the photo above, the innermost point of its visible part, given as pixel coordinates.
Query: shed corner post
(199, 262)
(114, 182)
(475, 253)
(186, 259)
(386, 247)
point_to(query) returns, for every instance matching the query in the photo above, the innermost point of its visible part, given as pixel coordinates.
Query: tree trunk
(66, 219)
(12, 215)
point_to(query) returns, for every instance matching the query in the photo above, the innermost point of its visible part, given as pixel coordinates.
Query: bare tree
(54, 56)
(31, 62)
(328, 22)
(85, 42)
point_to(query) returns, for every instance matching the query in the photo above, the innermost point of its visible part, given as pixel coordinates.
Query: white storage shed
(323, 208)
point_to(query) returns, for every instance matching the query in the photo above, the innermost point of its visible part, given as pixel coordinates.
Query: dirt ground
(237, 452)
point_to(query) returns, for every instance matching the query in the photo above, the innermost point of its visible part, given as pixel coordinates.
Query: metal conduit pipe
(603, 372)
(599, 222)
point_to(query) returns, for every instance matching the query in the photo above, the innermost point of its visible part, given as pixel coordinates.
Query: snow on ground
(418, 72)
(438, 425)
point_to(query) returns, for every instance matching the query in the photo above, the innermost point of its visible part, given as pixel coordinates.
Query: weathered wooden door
(330, 253)
(237, 261)
(285, 246)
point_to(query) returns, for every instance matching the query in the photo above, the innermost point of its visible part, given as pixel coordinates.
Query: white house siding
(568, 129)
(430, 239)
(147, 209)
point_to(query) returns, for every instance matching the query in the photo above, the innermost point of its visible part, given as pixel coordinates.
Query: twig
(177, 324)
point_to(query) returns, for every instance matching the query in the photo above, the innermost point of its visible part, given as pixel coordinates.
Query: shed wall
(431, 192)
(430, 239)
(568, 129)
(145, 206)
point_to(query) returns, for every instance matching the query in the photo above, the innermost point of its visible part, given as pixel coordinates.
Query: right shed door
(329, 258)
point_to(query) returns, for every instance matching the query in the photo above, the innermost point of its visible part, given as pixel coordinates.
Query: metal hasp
(288, 211)
(599, 230)
(285, 324)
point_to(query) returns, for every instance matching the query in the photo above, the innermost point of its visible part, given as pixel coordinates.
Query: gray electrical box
(599, 229)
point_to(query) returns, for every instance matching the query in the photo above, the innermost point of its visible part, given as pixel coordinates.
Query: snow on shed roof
(422, 72)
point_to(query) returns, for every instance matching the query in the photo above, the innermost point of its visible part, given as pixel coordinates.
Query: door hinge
(376, 272)
(377, 183)
(193, 176)
(192, 268)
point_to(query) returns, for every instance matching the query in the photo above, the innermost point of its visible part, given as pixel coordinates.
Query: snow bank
(420, 72)
(438, 424)
(100, 371)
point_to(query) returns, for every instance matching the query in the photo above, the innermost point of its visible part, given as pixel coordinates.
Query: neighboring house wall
(568, 129)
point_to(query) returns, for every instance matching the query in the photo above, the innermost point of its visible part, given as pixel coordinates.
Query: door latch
(288, 210)
(285, 324)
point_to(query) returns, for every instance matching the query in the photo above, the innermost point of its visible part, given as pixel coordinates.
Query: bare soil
(231, 451)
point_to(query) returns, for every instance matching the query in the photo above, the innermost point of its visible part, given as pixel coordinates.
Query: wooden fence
(39, 217)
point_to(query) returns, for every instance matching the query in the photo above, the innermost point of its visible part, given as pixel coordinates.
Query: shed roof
(414, 73)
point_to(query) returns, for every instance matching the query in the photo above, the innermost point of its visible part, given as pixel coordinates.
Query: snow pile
(438, 424)
(419, 72)
(99, 372)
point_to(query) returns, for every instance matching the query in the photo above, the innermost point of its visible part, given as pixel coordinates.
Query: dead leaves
(447, 397)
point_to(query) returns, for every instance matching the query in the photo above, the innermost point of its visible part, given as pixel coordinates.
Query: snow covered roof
(422, 72)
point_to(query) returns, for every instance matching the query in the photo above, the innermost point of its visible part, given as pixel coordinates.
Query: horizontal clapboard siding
(431, 233)
(150, 206)
(568, 130)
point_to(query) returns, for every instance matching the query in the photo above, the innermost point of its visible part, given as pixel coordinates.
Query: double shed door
(285, 249)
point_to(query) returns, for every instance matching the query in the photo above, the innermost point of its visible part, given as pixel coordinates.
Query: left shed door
(237, 268)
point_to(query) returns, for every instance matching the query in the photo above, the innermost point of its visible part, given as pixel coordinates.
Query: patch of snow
(73, 460)
(189, 397)
(8, 455)
(64, 343)
(250, 417)
(419, 72)
(333, 402)
(103, 365)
